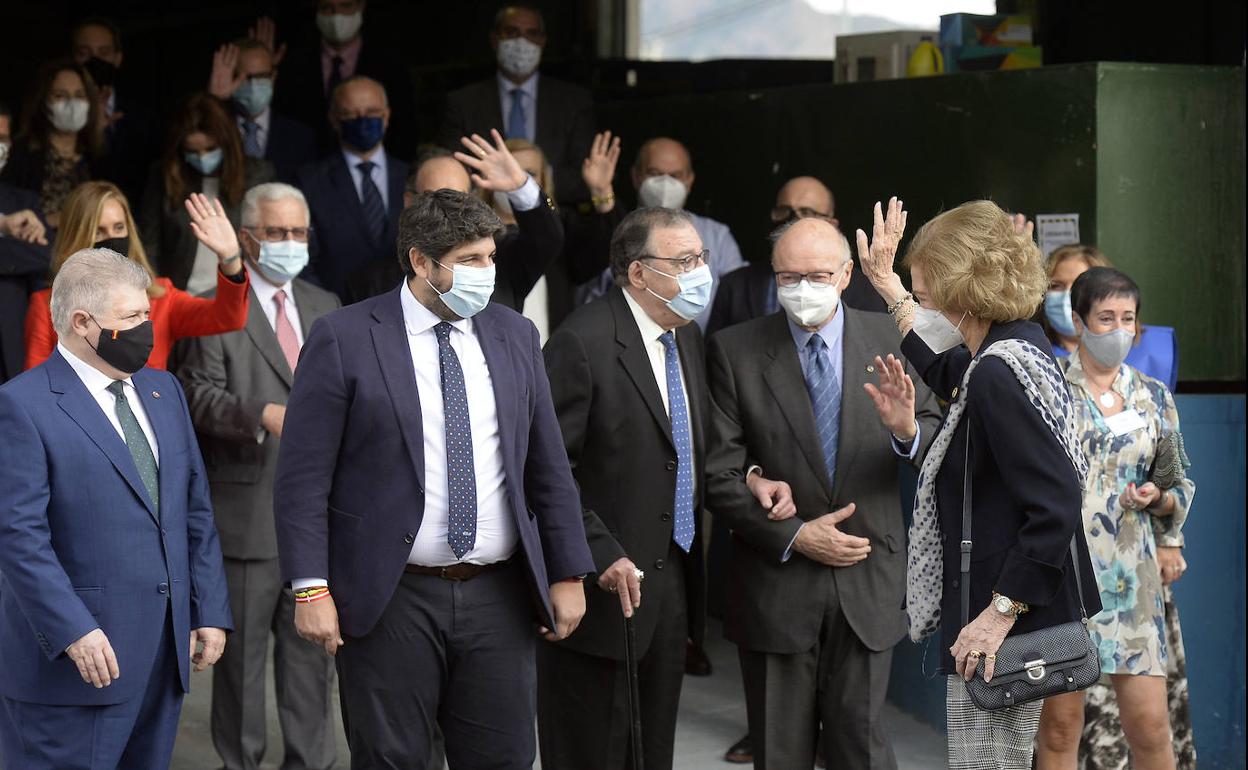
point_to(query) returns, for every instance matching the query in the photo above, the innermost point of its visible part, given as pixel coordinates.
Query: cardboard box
(996, 30)
(978, 58)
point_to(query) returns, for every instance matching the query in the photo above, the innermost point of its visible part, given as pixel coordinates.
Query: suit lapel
(856, 355)
(83, 409)
(636, 361)
(309, 308)
(494, 110)
(343, 180)
(692, 370)
(759, 288)
(394, 357)
(497, 353)
(265, 339)
(159, 404)
(783, 374)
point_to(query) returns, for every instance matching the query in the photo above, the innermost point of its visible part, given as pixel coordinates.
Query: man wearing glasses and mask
(750, 291)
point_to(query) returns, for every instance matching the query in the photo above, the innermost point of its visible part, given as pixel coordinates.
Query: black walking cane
(634, 691)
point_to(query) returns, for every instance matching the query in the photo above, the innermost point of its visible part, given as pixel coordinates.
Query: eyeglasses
(787, 279)
(283, 233)
(686, 263)
(781, 213)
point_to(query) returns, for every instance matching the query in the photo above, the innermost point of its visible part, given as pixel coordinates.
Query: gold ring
(974, 653)
(991, 657)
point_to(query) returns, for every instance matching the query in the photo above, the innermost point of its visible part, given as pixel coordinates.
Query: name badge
(1125, 422)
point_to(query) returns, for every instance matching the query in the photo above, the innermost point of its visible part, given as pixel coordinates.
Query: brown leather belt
(460, 571)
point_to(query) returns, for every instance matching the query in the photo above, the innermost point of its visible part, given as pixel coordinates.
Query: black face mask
(119, 245)
(126, 350)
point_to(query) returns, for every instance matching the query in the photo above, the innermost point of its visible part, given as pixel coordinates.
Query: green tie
(136, 442)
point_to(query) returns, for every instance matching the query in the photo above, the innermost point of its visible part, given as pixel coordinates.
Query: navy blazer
(291, 146)
(23, 268)
(341, 245)
(81, 545)
(1026, 501)
(349, 494)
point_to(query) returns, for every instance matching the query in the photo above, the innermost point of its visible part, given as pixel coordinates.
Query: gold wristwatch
(1007, 606)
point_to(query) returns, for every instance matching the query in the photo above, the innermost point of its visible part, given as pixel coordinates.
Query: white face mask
(4, 154)
(340, 27)
(69, 115)
(810, 305)
(663, 191)
(936, 331)
(518, 57)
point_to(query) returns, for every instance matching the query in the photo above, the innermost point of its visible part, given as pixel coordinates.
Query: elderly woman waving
(1010, 435)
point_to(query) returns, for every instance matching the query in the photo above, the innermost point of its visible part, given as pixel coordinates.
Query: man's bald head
(804, 196)
(359, 92)
(809, 246)
(663, 156)
(442, 173)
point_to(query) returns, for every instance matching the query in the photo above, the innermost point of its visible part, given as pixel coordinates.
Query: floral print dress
(1130, 630)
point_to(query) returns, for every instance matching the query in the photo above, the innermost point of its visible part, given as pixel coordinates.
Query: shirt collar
(832, 331)
(419, 319)
(261, 286)
(262, 120)
(378, 158)
(94, 380)
(650, 331)
(1075, 375)
(529, 87)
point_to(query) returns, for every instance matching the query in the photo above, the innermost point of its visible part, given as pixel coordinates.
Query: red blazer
(175, 314)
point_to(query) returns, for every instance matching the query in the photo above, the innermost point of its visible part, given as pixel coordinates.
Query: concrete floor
(712, 717)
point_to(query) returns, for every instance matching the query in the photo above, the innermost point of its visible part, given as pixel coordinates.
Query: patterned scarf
(1048, 392)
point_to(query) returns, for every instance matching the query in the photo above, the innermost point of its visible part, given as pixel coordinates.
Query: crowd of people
(433, 435)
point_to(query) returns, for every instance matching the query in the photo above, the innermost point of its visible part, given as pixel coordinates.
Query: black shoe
(741, 753)
(696, 662)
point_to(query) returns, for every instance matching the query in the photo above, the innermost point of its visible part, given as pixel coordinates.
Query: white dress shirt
(650, 334)
(496, 530)
(97, 383)
(262, 121)
(529, 90)
(380, 173)
(264, 295)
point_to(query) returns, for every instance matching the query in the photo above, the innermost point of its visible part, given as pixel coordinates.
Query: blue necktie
(825, 400)
(136, 442)
(683, 528)
(517, 124)
(374, 209)
(251, 139)
(461, 499)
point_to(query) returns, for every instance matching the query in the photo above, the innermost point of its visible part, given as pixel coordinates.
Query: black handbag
(1035, 665)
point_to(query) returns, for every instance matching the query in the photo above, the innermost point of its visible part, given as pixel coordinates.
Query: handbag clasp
(1035, 669)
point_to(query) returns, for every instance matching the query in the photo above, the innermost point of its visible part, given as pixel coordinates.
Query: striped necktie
(825, 400)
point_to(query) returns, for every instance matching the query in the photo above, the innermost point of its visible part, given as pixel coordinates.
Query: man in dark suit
(343, 51)
(237, 385)
(356, 193)
(24, 257)
(422, 480)
(628, 377)
(109, 561)
(245, 75)
(522, 104)
(815, 599)
(750, 291)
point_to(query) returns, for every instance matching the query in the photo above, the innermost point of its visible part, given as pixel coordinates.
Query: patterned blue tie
(136, 442)
(517, 123)
(251, 139)
(682, 529)
(374, 208)
(825, 400)
(461, 500)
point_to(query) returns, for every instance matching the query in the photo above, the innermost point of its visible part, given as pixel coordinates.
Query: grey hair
(631, 240)
(268, 192)
(779, 232)
(85, 282)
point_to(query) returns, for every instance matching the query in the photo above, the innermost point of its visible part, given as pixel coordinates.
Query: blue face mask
(694, 294)
(471, 289)
(281, 261)
(364, 133)
(1057, 311)
(205, 163)
(254, 95)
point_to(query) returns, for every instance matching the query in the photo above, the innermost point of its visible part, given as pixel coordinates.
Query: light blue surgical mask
(282, 261)
(695, 291)
(1057, 311)
(205, 163)
(471, 289)
(254, 95)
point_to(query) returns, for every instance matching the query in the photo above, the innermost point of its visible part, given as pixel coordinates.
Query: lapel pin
(155, 394)
(870, 368)
(954, 394)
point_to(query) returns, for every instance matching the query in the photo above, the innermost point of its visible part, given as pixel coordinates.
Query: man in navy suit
(422, 479)
(110, 569)
(356, 193)
(245, 74)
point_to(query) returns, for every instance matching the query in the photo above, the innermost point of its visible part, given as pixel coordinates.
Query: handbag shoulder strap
(964, 580)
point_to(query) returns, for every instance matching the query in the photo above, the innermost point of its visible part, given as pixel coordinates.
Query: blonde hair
(1090, 255)
(975, 263)
(80, 217)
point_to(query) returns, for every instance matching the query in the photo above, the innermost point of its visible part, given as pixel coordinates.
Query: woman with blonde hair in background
(97, 214)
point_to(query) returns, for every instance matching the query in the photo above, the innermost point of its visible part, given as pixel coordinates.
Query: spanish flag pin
(155, 394)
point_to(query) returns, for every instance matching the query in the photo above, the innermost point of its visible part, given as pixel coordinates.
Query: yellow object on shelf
(926, 60)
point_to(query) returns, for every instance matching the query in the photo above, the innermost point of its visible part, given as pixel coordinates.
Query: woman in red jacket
(96, 214)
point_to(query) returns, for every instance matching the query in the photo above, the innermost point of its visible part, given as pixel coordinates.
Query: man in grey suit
(237, 385)
(817, 574)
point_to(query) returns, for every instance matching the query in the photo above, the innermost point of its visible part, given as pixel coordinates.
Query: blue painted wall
(1211, 596)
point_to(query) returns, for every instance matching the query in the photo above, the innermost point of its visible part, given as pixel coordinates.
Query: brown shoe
(741, 753)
